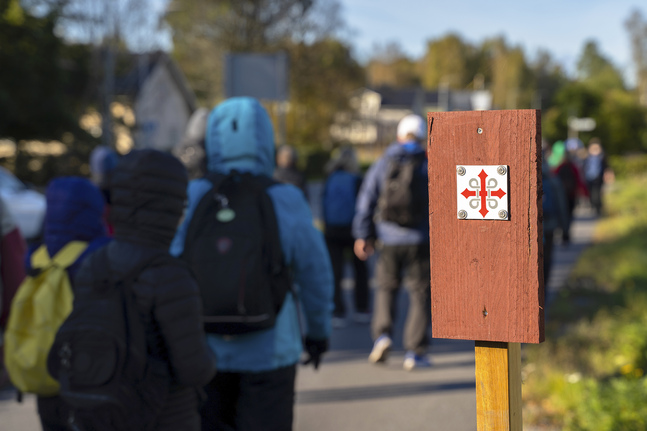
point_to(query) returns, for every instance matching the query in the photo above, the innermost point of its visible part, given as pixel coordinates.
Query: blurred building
(370, 125)
(161, 99)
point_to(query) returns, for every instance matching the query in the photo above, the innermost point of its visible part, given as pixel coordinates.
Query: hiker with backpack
(571, 178)
(259, 262)
(73, 229)
(395, 194)
(555, 215)
(132, 355)
(338, 202)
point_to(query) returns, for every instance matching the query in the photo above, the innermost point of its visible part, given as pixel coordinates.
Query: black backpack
(402, 198)
(233, 247)
(100, 355)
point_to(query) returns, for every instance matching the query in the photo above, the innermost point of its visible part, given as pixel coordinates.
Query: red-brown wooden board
(486, 275)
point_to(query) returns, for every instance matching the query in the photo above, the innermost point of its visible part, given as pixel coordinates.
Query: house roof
(417, 96)
(142, 65)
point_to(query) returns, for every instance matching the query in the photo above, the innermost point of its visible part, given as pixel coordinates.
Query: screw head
(462, 214)
(479, 131)
(460, 170)
(501, 170)
(484, 313)
(503, 214)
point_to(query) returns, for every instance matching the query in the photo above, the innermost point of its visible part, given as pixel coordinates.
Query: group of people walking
(179, 304)
(155, 302)
(570, 173)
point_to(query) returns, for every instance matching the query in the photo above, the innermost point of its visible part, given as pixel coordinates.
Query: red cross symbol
(483, 193)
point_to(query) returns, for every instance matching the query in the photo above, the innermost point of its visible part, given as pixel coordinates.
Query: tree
(511, 82)
(41, 79)
(390, 66)
(548, 77)
(637, 27)
(447, 62)
(322, 71)
(596, 70)
(323, 76)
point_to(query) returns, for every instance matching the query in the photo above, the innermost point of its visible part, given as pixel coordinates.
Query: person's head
(240, 136)
(74, 212)
(148, 189)
(286, 157)
(102, 161)
(411, 128)
(343, 158)
(595, 147)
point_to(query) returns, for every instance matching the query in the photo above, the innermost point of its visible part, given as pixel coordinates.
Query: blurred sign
(263, 76)
(581, 124)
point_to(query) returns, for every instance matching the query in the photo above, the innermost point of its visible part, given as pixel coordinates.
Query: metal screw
(501, 170)
(460, 170)
(462, 214)
(503, 214)
(484, 313)
(479, 130)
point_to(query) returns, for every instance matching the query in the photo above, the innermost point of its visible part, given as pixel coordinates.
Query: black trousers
(261, 401)
(53, 413)
(409, 264)
(337, 246)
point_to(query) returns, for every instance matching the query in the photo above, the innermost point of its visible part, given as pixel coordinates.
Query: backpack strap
(66, 256)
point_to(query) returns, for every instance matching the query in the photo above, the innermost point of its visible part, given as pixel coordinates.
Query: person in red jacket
(12, 272)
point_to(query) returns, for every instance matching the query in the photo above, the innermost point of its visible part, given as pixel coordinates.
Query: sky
(559, 26)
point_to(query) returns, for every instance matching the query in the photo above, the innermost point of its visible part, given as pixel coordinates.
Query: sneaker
(411, 361)
(339, 322)
(362, 318)
(380, 349)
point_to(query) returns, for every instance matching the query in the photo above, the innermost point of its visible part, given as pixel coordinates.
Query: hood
(74, 212)
(399, 150)
(240, 137)
(557, 154)
(148, 191)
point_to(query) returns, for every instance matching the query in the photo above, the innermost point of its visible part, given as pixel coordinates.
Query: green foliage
(590, 373)
(596, 70)
(323, 76)
(628, 166)
(621, 123)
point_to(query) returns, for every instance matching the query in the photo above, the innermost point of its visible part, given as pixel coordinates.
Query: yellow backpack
(41, 304)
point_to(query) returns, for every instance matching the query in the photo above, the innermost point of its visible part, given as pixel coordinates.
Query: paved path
(348, 393)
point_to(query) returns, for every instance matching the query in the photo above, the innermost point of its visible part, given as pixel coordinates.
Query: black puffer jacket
(148, 192)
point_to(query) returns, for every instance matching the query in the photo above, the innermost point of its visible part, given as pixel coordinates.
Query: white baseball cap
(412, 124)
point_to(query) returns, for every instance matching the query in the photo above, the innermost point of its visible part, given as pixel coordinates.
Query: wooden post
(486, 247)
(498, 386)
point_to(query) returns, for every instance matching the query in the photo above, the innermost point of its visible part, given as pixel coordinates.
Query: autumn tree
(596, 70)
(449, 61)
(637, 27)
(322, 70)
(390, 66)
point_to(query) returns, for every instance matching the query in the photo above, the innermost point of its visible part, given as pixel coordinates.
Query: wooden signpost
(486, 247)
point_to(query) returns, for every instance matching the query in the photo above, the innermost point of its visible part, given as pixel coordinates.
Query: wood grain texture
(498, 386)
(491, 266)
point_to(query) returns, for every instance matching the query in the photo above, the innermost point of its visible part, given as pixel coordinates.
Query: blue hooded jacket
(74, 213)
(240, 137)
(364, 225)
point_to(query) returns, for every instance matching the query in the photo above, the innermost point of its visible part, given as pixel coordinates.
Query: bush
(590, 373)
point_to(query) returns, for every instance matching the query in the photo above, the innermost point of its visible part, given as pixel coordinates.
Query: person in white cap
(392, 213)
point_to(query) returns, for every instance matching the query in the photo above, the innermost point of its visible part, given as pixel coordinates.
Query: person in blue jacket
(74, 213)
(254, 386)
(404, 247)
